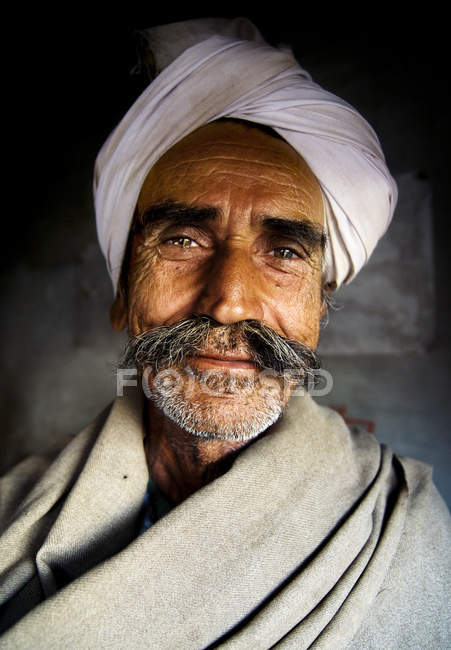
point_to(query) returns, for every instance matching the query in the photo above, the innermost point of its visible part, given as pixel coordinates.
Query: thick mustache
(172, 345)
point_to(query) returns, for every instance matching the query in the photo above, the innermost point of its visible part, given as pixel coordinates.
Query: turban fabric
(214, 68)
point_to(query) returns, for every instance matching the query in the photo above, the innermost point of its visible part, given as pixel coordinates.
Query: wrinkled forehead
(230, 153)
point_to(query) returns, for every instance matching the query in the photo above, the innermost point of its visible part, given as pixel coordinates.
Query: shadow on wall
(390, 307)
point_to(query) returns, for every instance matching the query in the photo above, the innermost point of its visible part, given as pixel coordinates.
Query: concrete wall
(59, 353)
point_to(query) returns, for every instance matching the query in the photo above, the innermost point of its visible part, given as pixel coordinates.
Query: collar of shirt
(155, 505)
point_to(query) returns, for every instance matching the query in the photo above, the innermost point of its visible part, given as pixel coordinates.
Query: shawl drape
(317, 536)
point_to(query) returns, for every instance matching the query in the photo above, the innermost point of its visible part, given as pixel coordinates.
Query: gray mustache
(171, 345)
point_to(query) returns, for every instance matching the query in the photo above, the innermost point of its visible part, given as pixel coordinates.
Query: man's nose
(231, 290)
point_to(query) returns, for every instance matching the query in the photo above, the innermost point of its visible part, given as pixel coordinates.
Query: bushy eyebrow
(305, 232)
(180, 214)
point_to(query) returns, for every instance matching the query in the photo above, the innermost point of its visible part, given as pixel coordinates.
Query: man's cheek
(149, 298)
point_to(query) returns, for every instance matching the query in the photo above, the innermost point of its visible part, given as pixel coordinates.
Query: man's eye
(285, 253)
(182, 242)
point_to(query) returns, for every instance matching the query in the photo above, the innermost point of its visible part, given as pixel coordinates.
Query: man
(228, 509)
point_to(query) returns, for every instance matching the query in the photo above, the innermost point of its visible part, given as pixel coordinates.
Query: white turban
(216, 68)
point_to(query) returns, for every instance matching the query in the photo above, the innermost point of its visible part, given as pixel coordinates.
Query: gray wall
(59, 353)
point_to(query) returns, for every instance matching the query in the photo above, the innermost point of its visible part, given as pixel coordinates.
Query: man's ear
(118, 313)
(327, 289)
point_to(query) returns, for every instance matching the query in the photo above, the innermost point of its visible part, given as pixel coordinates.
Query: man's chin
(233, 420)
(220, 405)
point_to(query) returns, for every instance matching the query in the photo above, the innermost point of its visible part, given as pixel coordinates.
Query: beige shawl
(316, 537)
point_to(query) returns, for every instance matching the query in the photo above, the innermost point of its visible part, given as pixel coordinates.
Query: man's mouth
(229, 361)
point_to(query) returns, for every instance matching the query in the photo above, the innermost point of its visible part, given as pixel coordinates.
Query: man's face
(227, 216)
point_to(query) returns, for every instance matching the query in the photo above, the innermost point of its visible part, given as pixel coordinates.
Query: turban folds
(216, 68)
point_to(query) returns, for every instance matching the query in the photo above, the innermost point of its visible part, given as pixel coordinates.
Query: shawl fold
(315, 537)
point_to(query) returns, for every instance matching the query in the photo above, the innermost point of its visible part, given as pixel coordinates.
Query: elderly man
(228, 509)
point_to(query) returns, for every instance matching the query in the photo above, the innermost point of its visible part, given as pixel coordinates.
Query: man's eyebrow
(175, 212)
(306, 232)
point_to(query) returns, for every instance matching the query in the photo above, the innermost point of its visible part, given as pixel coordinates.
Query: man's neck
(180, 462)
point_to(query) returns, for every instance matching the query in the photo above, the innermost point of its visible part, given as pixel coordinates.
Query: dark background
(67, 83)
